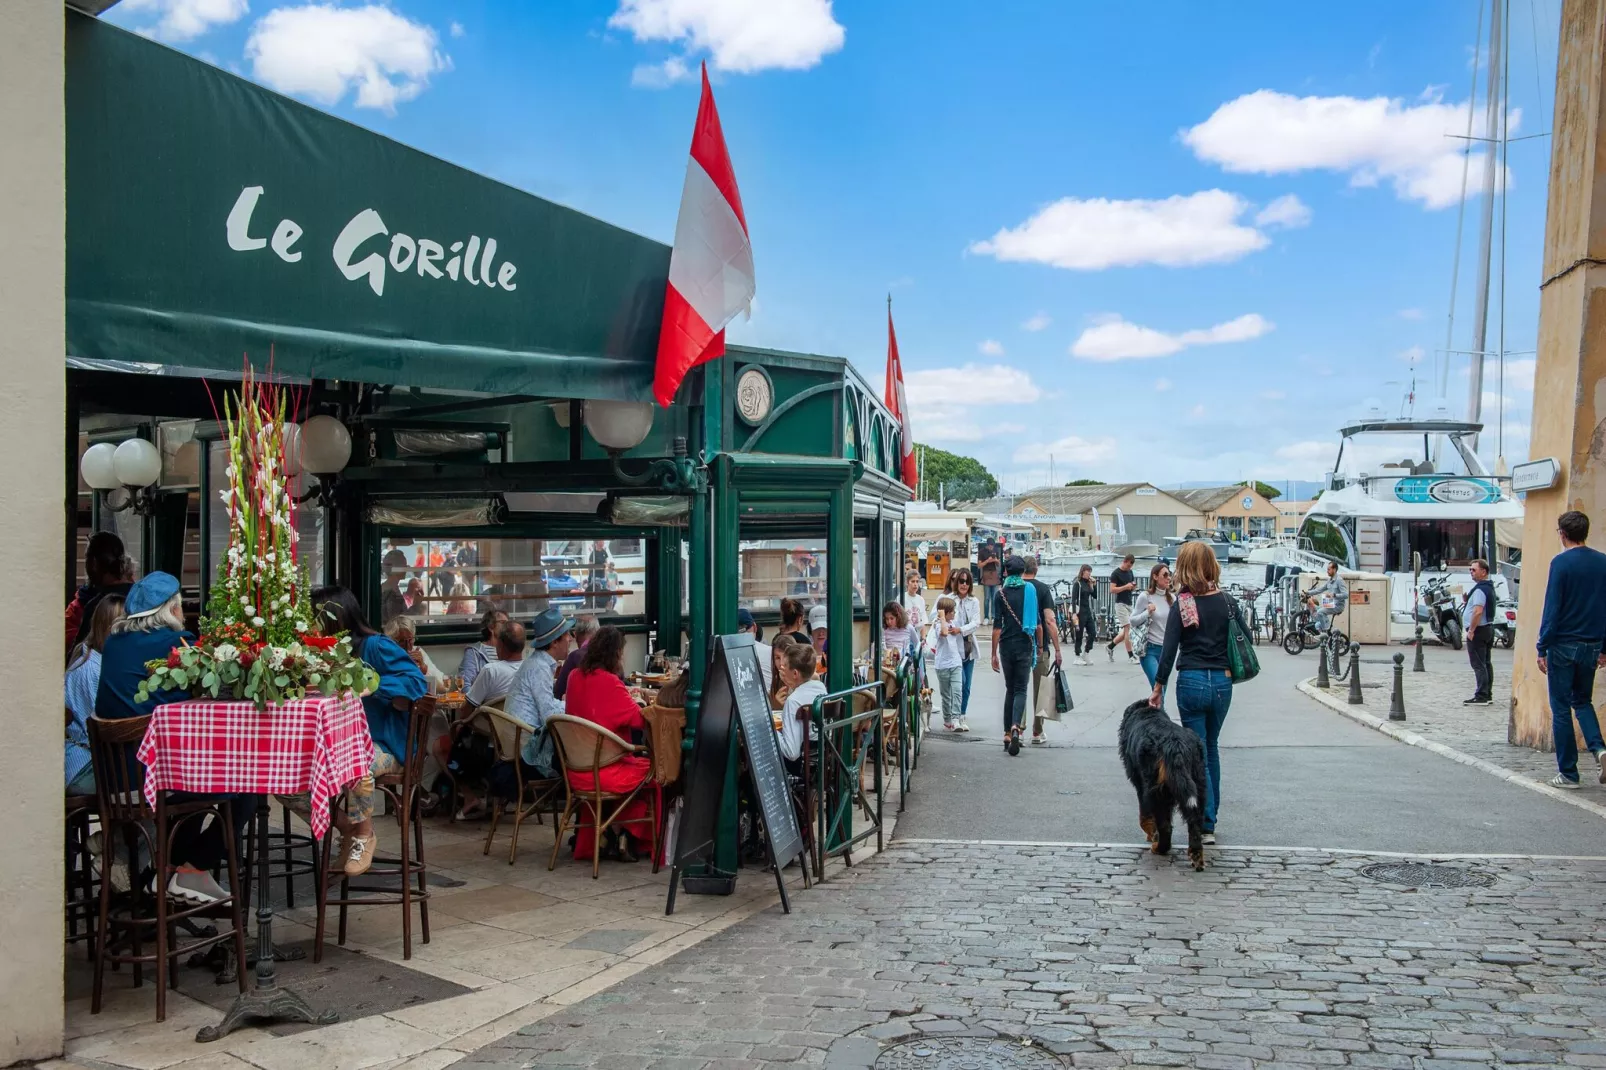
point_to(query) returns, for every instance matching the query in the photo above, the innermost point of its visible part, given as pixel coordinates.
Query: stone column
(1569, 417)
(32, 415)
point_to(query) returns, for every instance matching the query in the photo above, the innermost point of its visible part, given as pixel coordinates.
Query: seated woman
(483, 652)
(778, 689)
(404, 633)
(597, 693)
(794, 620)
(896, 635)
(388, 710)
(803, 687)
(82, 683)
(152, 626)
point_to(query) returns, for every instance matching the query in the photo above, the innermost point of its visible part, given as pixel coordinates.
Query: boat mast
(1491, 177)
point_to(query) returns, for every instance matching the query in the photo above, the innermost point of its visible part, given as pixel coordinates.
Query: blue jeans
(964, 701)
(1571, 678)
(1151, 666)
(1203, 698)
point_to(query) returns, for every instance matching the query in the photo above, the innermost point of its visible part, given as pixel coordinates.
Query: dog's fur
(925, 704)
(1166, 764)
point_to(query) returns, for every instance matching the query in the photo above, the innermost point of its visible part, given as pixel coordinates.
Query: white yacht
(1376, 515)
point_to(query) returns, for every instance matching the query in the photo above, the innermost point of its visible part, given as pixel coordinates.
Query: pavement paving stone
(1270, 958)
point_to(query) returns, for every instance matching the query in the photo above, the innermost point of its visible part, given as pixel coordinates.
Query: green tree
(962, 478)
(1265, 490)
(1085, 483)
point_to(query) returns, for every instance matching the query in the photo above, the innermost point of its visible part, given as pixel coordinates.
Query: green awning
(209, 219)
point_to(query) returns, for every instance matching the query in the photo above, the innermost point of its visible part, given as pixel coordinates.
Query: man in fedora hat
(531, 699)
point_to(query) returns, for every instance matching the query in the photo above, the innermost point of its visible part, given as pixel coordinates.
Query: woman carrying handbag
(967, 614)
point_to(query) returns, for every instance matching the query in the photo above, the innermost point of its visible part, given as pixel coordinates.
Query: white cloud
(1409, 313)
(1286, 211)
(992, 348)
(1519, 374)
(456, 29)
(1113, 338)
(1272, 395)
(1037, 322)
(1271, 133)
(1413, 354)
(1162, 385)
(738, 36)
(185, 20)
(1090, 235)
(1197, 412)
(943, 426)
(662, 75)
(323, 52)
(1072, 449)
(973, 384)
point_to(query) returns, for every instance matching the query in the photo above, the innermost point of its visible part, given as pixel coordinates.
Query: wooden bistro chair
(391, 879)
(83, 885)
(530, 796)
(119, 783)
(586, 747)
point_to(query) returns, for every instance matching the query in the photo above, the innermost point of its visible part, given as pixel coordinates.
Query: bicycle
(1304, 635)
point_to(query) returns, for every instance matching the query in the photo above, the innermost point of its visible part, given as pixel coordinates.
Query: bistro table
(317, 744)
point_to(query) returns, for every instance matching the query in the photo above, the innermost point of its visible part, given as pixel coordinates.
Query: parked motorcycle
(1437, 608)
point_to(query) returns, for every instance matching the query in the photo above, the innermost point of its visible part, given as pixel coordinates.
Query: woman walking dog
(1196, 638)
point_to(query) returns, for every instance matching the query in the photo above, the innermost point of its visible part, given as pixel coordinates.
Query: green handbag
(1242, 662)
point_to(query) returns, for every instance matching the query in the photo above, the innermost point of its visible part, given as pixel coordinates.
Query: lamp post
(134, 466)
(321, 448)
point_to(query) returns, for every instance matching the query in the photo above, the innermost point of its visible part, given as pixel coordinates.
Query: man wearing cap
(531, 699)
(747, 625)
(1016, 620)
(152, 627)
(819, 627)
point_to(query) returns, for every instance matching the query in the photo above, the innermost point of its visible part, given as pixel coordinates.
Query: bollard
(1321, 668)
(1355, 698)
(1397, 699)
(1417, 666)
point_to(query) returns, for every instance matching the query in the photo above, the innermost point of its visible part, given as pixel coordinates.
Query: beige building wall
(32, 417)
(1132, 503)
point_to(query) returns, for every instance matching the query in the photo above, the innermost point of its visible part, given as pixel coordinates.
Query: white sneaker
(1559, 781)
(1600, 758)
(197, 889)
(1208, 839)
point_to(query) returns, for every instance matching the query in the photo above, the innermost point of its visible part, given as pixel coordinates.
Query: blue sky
(1167, 241)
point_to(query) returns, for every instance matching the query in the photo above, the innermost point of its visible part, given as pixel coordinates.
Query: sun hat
(818, 618)
(548, 627)
(150, 594)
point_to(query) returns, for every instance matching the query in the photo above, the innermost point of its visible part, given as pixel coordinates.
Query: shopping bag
(1062, 693)
(1242, 662)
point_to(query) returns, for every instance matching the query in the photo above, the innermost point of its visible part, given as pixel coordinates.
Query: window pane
(772, 569)
(451, 580)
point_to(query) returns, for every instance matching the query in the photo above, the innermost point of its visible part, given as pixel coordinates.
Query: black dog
(1166, 764)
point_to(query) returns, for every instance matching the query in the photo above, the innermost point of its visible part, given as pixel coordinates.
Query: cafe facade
(470, 369)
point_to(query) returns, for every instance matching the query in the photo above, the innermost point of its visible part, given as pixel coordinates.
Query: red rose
(173, 659)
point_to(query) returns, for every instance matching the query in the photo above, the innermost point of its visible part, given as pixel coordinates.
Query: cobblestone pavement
(1433, 710)
(1109, 957)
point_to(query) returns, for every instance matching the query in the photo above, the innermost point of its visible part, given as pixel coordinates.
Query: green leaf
(281, 680)
(180, 678)
(209, 681)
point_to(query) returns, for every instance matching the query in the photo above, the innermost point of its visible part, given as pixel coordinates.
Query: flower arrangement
(258, 638)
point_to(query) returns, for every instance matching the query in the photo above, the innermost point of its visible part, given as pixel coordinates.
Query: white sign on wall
(1536, 475)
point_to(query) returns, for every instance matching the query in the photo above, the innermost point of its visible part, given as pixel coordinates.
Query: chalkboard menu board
(734, 699)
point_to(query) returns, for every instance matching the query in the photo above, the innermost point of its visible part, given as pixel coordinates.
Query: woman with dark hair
(1084, 620)
(967, 614)
(795, 620)
(483, 652)
(596, 692)
(389, 709)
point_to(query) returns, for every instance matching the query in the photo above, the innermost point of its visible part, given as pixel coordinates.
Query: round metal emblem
(755, 395)
(966, 1053)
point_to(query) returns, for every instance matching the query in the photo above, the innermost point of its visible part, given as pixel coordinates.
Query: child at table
(797, 670)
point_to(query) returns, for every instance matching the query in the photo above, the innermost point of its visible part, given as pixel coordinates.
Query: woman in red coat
(596, 692)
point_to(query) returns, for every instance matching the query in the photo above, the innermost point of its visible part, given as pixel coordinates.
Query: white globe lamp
(618, 425)
(325, 446)
(97, 468)
(292, 449)
(137, 463)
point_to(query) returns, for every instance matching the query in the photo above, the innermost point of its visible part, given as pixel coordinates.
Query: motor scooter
(1436, 607)
(1505, 623)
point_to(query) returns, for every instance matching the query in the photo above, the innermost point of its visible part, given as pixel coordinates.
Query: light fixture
(96, 467)
(618, 425)
(323, 447)
(560, 413)
(292, 449)
(133, 466)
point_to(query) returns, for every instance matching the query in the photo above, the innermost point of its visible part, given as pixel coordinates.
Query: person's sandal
(626, 852)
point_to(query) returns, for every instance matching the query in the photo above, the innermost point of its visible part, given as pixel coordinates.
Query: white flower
(258, 621)
(245, 603)
(225, 652)
(276, 657)
(301, 625)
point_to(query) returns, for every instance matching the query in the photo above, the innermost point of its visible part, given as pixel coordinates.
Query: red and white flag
(899, 404)
(711, 266)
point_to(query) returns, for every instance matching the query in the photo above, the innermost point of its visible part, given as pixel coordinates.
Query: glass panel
(772, 569)
(217, 517)
(191, 579)
(453, 580)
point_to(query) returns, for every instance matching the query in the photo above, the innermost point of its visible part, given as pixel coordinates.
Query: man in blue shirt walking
(1572, 645)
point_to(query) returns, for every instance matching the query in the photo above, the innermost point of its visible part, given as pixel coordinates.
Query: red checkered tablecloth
(317, 744)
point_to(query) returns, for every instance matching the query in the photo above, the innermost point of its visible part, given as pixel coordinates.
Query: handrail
(835, 810)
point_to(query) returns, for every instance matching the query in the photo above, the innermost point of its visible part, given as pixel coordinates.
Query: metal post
(1397, 699)
(1417, 665)
(1321, 668)
(1355, 698)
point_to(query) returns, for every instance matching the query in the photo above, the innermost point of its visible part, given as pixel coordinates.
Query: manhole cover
(965, 1053)
(1422, 875)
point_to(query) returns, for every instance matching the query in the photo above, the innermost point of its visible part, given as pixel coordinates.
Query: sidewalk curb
(1388, 728)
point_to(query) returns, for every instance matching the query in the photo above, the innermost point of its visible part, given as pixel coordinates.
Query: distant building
(1291, 514)
(1236, 512)
(1151, 514)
